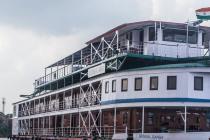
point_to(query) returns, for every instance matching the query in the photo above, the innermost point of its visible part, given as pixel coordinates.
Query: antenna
(3, 105)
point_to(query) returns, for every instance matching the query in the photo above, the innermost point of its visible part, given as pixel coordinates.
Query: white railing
(56, 105)
(164, 49)
(104, 132)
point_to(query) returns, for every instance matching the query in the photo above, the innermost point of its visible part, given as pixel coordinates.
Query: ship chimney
(3, 105)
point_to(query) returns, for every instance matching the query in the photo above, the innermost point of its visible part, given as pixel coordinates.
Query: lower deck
(124, 120)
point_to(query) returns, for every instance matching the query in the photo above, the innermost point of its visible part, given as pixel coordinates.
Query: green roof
(170, 66)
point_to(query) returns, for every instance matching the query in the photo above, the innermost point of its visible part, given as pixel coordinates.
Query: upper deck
(164, 42)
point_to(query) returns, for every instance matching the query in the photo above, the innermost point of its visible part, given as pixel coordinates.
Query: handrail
(125, 47)
(56, 105)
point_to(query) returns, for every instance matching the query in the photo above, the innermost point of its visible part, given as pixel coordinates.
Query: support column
(70, 131)
(45, 78)
(62, 124)
(187, 40)
(115, 112)
(91, 53)
(55, 125)
(49, 131)
(185, 119)
(43, 125)
(102, 40)
(38, 128)
(100, 122)
(57, 75)
(142, 125)
(117, 40)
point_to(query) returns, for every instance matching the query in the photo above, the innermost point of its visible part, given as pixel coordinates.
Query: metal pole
(115, 112)
(49, 125)
(155, 31)
(117, 39)
(187, 39)
(57, 75)
(100, 121)
(102, 40)
(91, 53)
(142, 125)
(185, 119)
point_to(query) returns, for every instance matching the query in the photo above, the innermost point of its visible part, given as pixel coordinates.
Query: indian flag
(203, 13)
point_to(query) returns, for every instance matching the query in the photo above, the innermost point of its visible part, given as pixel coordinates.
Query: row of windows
(174, 35)
(171, 83)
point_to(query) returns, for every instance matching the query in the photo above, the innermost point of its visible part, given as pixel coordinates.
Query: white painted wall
(206, 86)
(169, 49)
(185, 85)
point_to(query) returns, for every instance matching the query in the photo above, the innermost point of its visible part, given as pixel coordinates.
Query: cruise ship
(147, 80)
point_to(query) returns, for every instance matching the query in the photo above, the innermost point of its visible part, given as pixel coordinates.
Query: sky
(36, 33)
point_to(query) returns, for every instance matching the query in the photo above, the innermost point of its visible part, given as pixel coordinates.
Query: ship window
(154, 83)
(150, 118)
(171, 82)
(198, 83)
(124, 85)
(138, 83)
(175, 35)
(107, 87)
(113, 85)
(129, 37)
(152, 34)
(125, 118)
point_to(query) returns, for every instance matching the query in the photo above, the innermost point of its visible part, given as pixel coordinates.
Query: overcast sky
(34, 34)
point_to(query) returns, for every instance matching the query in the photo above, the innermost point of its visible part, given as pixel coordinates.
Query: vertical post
(56, 125)
(117, 39)
(128, 46)
(49, 131)
(39, 110)
(155, 31)
(43, 125)
(187, 39)
(64, 72)
(100, 121)
(142, 125)
(45, 78)
(50, 104)
(89, 121)
(29, 109)
(79, 122)
(33, 126)
(38, 127)
(185, 119)
(29, 126)
(91, 53)
(81, 57)
(62, 125)
(102, 41)
(115, 113)
(45, 104)
(57, 74)
(70, 124)
(72, 63)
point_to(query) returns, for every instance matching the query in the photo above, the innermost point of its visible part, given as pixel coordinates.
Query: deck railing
(165, 49)
(104, 132)
(56, 105)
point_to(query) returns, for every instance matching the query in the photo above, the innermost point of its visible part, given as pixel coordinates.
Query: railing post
(185, 119)
(142, 127)
(115, 112)
(117, 33)
(128, 46)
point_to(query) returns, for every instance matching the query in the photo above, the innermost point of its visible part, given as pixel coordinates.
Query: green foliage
(5, 127)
